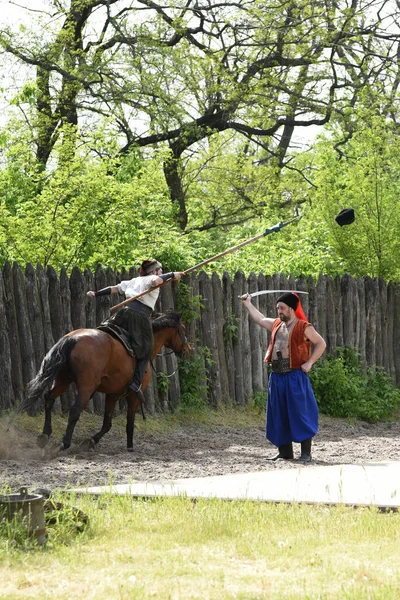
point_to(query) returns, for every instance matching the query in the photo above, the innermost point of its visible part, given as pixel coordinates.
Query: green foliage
(345, 388)
(190, 306)
(83, 214)
(162, 381)
(192, 370)
(64, 519)
(84, 177)
(192, 379)
(366, 177)
(259, 400)
(223, 185)
(230, 331)
(94, 206)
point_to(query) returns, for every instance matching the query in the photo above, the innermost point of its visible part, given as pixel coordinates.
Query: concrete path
(373, 483)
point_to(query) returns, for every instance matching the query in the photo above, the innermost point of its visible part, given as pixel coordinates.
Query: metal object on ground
(28, 507)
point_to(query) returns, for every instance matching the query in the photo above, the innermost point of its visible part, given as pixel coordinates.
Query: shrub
(344, 388)
(192, 378)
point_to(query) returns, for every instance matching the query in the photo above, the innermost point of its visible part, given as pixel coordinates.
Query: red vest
(299, 346)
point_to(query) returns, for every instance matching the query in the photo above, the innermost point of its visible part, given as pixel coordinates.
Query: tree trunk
(6, 388)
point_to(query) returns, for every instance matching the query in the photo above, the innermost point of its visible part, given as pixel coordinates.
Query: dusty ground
(187, 451)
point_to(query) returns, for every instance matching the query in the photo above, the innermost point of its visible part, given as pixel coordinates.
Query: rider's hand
(91, 294)
(178, 275)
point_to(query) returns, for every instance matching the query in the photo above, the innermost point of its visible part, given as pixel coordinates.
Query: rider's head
(148, 266)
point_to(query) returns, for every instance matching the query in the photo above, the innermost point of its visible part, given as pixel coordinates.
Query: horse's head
(172, 333)
(184, 349)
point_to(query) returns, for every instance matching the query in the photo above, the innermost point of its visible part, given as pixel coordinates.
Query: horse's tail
(56, 358)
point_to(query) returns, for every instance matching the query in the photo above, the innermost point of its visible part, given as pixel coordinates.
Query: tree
(180, 73)
(365, 175)
(83, 216)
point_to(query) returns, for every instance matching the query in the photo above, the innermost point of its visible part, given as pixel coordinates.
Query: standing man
(292, 411)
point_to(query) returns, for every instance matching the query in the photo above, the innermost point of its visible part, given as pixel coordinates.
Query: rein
(166, 376)
(184, 342)
(165, 353)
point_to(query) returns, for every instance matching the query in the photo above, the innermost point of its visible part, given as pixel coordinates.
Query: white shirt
(137, 285)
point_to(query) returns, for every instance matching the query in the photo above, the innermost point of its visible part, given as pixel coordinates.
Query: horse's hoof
(87, 445)
(53, 449)
(130, 449)
(42, 440)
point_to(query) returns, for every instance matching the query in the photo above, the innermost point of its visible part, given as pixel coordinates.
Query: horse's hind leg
(49, 399)
(81, 402)
(110, 402)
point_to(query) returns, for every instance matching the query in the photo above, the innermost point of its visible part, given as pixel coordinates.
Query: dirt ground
(188, 451)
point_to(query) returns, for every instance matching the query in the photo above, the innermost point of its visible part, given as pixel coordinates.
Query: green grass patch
(180, 548)
(208, 418)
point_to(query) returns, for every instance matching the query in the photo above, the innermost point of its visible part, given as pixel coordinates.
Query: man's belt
(282, 365)
(141, 308)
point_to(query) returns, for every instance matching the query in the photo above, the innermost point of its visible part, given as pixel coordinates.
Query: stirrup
(138, 391)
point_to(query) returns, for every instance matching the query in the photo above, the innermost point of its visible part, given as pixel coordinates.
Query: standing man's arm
(319, 346)
(255, 314)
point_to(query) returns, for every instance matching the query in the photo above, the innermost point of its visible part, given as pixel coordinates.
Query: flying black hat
(345, 217)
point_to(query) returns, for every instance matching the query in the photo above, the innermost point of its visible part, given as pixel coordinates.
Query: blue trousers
(292, 411)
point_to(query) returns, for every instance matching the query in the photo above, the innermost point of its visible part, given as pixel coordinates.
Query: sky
(14, 12)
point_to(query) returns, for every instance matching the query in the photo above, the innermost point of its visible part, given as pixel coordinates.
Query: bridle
(179, 331)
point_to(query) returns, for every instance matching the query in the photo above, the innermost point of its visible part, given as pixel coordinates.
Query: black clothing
(135, 318)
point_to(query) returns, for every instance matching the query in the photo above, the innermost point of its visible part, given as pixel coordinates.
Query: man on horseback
(135, 316)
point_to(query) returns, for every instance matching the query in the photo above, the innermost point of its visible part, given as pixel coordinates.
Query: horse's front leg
(110, 402)
(133, 402)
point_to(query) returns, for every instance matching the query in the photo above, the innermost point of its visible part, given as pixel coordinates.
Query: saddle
(118, 333)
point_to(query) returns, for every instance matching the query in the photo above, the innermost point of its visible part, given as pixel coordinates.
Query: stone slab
(373, 483)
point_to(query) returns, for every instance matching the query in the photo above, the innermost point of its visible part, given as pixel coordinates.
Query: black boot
(306, 451)
(136, 383)
(285, 451)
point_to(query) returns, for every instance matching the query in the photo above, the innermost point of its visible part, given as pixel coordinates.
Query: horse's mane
(169, 319)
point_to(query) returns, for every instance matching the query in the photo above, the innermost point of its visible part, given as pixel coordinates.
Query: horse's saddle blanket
(120, 334)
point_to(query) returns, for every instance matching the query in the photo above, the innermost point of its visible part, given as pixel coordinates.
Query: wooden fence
(39, 306)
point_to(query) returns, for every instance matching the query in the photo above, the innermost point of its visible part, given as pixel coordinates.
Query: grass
(175, 548)
(88, 423)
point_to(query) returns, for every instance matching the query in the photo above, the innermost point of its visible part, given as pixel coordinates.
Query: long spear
(272, 229)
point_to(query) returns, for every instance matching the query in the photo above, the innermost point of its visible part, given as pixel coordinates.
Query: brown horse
(96, 361)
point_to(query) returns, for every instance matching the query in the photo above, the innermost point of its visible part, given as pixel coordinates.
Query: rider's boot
(136, 383)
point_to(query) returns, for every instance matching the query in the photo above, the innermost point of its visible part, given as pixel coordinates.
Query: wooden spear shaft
(272, 229)
(257, 237)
